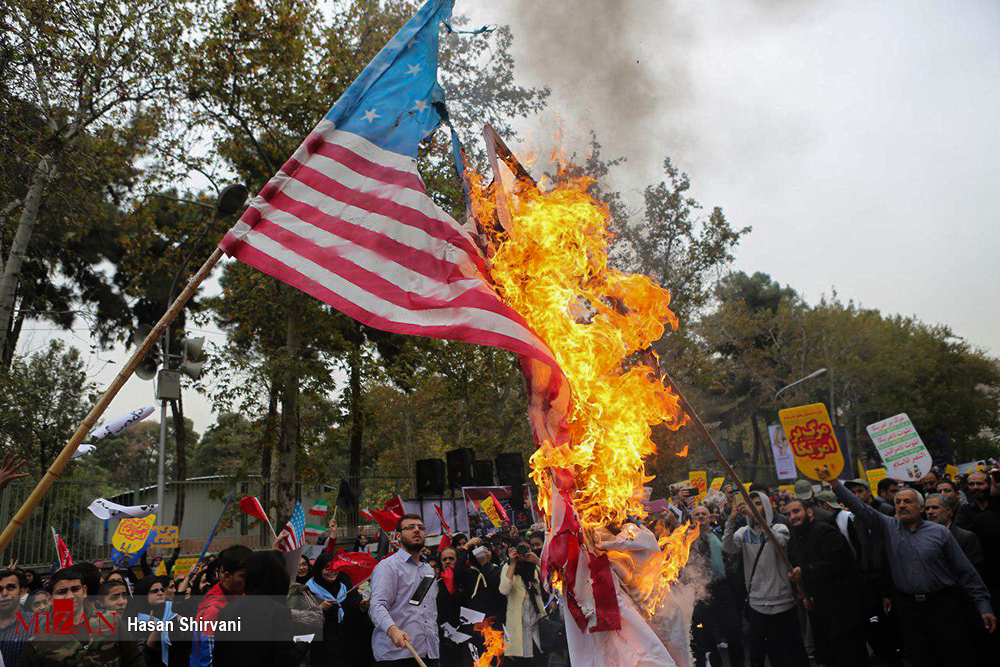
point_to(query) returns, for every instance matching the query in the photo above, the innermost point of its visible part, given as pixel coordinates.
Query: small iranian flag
(316, 519)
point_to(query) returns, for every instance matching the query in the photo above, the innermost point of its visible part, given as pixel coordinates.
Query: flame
(683, 452)
(495, 644)
(551, 266)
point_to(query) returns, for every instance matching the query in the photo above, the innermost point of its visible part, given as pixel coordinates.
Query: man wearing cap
(930, 574)
(859, 487)
(840, 517)
(804, 492)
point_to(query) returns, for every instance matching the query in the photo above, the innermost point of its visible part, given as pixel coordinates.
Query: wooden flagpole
(730, 473)
(102, 404)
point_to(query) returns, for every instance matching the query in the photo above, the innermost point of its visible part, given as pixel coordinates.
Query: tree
(97, 66)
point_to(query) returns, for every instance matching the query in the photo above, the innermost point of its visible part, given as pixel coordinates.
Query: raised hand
(11, 470)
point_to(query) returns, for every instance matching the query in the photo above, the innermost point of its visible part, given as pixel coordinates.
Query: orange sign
(699, 480)
(812, 440)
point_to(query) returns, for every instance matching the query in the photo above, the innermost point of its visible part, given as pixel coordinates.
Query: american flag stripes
(347, 218)
(295, 530)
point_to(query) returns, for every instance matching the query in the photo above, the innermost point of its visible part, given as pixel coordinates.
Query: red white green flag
(316, 519)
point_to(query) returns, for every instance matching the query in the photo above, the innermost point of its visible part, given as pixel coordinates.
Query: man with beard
(404, 616)
(12, 586)
(838, 597)
(985, 498)
(774, 624)
(930, 573)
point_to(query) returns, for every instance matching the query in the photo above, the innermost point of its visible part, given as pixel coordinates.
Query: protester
(13, 585)
(861, 489)
(399, 625)
(940, 510)
(34, 581)
(839, 602)
(304, 571)
(839, 517)
(326, 594)
(114, 597)
(928, 571)
(887, 489)
(452, 654)
(39, 602)
(231, 563)
(983, 499)
(479, 579)
(148, 603)
(928, 483)
(716, 613)
(264, 636)
(949, 490)
(86, 645)
(521, 585)
(774, 624)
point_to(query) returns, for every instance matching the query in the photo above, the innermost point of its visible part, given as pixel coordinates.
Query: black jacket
(832, 578)
(479, 587)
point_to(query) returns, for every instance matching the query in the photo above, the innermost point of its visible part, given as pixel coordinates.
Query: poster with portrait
(784, 460)
(480, 524)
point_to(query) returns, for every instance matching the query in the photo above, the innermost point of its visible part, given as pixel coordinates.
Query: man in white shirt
(404, 612)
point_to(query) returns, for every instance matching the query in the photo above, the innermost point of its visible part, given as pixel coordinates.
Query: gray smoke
(619, 68)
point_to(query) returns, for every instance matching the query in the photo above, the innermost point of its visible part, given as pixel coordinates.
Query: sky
(858, 139)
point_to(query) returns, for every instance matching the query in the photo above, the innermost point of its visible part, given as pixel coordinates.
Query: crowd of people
(908, 573)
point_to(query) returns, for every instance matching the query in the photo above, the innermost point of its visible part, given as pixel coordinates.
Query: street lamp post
(230, 201)
(814, 374)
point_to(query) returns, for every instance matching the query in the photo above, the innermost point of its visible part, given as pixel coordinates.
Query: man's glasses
(413, 526)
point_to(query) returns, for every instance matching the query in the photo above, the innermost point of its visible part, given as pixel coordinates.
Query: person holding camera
(521, 585)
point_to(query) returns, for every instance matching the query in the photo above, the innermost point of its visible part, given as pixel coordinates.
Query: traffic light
(192, 361)
(151, 362)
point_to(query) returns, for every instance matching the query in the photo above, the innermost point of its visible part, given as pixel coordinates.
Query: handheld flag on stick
(445, 531)
(316, 518)
(295, 530)
(356, 565)
(62, 551)
(495, 511)
(250, 505)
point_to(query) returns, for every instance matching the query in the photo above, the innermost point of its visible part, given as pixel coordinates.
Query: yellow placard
(951, 471)
(874, 477)
(131, 534)
(699, 481)
(183, 565)
(788, 488)
(812, 440)
(747, 485)
(166, 536)
(716, 484)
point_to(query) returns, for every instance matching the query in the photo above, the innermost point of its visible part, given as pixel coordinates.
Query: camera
(522, 549)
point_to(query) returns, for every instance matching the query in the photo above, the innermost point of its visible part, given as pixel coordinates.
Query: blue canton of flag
(396, 101)
(296, 529)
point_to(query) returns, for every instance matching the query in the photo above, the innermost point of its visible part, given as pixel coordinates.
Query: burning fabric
(592, 415)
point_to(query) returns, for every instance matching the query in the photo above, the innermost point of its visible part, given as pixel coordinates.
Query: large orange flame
(494, 644)
(551, 266)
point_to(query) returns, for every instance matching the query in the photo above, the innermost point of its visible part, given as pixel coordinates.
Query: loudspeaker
(510, 469)
(430, 477)
(484, 473)
(461, 467)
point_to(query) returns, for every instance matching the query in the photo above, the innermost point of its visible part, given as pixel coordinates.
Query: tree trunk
(288, 446)
(12, 337)
(267, 445)
(180, 436)
(19, 248)
(357, 428)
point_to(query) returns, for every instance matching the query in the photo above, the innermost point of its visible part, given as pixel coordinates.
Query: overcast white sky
(859, 139)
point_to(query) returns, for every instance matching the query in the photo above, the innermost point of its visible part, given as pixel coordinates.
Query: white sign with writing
(902, 451)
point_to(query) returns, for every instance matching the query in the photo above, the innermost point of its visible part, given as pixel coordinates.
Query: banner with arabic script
(812, 441)
(902, 451)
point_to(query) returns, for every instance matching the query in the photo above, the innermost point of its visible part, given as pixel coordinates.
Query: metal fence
(64, 508)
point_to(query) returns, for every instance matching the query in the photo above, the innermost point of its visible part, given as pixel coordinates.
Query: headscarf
(302, 578)
(321, 563)
(139, 604)
(266, 575)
